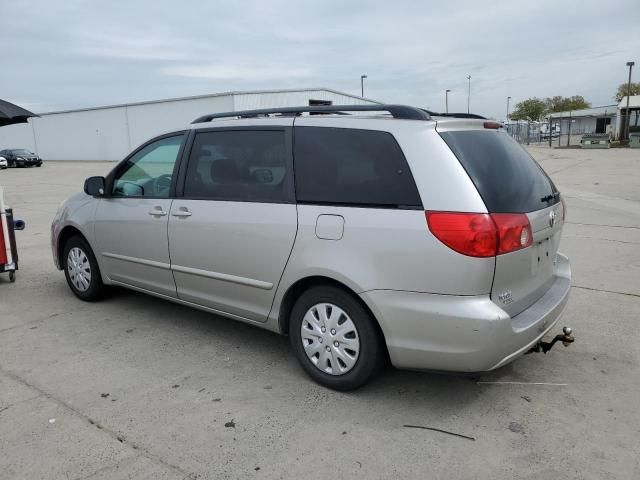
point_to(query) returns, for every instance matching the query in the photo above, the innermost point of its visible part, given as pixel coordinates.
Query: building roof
(634, 102)
(608, 110)
(211, 95)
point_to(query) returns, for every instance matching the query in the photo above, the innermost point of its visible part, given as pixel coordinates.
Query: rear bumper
(464, 333)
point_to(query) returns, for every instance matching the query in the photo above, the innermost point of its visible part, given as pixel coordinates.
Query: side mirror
(94, 186)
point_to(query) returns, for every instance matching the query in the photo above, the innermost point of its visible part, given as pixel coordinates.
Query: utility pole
(508, 98)
(362, 77)
(446, 100)
(469, 94)
(627, 116)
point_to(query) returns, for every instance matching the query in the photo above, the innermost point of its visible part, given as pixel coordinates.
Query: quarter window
(352, 167)
(240, 165)
(150, 171)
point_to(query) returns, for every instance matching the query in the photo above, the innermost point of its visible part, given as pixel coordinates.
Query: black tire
(372, 351)
(12, 277)
(96, 288)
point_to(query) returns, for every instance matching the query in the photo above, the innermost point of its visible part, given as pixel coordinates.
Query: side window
(247, 165)
(352, 167)
(150, 171)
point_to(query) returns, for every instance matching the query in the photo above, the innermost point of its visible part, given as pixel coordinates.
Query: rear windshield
(508, 179)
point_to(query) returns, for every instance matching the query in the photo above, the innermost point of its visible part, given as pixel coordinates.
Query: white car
(3, 163)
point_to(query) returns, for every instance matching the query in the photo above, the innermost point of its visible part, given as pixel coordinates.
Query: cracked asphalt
(136, 387)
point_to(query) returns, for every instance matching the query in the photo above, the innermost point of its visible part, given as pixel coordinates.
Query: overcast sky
(62, 54)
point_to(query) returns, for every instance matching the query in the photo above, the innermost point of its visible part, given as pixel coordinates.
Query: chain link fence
(557, 133)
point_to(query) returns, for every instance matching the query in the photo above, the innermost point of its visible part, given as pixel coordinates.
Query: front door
(231, 233)
(131, 221)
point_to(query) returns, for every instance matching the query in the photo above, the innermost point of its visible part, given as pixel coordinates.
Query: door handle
(157, 212)
(182, 212)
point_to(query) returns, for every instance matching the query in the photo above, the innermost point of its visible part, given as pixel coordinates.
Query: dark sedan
(20, 157)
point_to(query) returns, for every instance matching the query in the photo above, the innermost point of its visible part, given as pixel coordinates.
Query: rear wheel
(81, 270)
(334, 338)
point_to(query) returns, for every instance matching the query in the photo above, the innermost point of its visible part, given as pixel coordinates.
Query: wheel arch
(65, 234)
(296, 289)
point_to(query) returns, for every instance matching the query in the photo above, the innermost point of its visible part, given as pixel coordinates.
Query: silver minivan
(365, 233)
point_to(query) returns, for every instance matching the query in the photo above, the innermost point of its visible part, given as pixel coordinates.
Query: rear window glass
(508, 179)
(352, 167)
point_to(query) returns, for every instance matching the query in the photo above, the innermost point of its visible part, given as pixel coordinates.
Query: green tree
(530, 109)
(624, 90)
(566, 104)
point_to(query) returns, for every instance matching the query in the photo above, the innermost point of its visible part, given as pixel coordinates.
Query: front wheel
(81, 270)
(335, 339)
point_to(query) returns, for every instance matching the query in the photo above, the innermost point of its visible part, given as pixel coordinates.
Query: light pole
(508, 98)
(446, 100)
(628, 117)
(469, 93)
(362, 77)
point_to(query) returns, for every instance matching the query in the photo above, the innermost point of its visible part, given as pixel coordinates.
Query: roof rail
(454, 115)
(403, 112)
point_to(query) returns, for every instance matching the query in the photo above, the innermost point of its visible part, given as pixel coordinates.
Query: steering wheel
(162, 184)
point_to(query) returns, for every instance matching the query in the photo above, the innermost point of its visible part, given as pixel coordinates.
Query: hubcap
(79, 269)
(330, 339)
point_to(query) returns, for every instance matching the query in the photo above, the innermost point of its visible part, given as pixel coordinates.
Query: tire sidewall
(96, 287)
(371, 351)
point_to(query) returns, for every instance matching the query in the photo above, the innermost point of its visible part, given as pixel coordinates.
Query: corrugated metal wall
(110, 133)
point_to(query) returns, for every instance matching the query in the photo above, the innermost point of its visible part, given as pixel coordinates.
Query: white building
(634, 115)
(587, 120)
(110, 133)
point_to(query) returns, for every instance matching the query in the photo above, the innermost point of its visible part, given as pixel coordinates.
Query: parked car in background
(21, 157)
(3, 163)
(426, 239)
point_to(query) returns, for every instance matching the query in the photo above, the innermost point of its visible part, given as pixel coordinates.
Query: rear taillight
(514, 231)
(472, 234)
(481, 234)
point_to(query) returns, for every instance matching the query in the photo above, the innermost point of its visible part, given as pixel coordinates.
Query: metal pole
(559, 130)
(508, 98)
(549, 132)
(469, 94)
(528, 130)
(446, 100)
(362, 77)
(569, 131)
(627, 116)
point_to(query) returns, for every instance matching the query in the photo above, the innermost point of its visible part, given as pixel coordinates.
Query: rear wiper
(548, 198)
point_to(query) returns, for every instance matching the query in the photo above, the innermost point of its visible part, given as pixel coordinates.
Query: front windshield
(21, 151)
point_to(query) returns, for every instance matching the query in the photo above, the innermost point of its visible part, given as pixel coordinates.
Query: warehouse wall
(17, 136)
(151, 119)
(93, 134)
(248, 101)
(110, 133)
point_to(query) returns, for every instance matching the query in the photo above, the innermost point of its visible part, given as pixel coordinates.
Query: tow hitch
(566, 338)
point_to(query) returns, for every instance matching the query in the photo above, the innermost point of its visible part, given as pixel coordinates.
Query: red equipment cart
(8, 250)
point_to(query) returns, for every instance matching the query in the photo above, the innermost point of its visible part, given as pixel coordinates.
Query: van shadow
(253, 348)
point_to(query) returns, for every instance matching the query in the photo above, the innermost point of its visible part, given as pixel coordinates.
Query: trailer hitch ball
(566, 338)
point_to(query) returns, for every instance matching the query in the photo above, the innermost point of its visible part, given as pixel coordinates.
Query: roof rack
(454, 115)
(403, 112)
